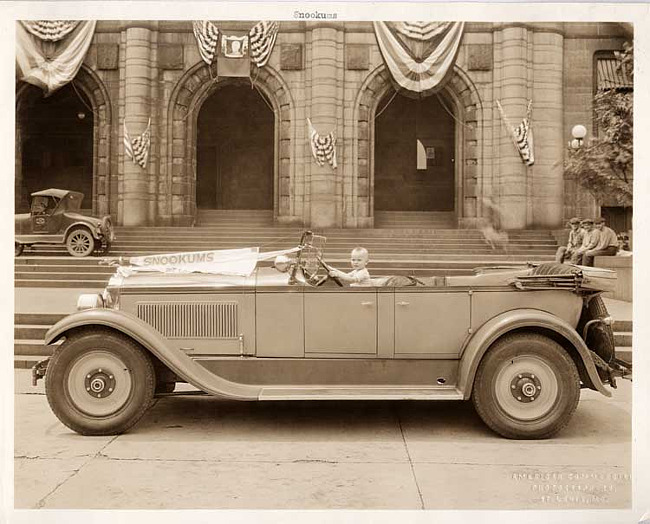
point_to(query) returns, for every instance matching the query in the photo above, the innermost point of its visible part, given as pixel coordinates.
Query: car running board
(360, 393)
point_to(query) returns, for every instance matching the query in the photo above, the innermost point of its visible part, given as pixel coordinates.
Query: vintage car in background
(54, 218)
(519, 342)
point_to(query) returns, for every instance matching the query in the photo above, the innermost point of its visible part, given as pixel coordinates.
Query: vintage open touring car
(519, 342)
(54, 218)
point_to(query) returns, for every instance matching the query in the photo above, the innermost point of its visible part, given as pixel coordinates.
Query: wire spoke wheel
(80, 243)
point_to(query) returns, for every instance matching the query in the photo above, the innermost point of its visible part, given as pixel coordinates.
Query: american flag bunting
(323, 149)
(262, 39)
(137, 149)
(207, 38)
(522, 135)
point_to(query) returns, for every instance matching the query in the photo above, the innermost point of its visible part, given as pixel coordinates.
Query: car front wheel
(526, 387)
(99, 383)
(80, 242)
(19, 249)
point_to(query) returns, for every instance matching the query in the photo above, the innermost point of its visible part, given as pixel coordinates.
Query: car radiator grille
(192, 319)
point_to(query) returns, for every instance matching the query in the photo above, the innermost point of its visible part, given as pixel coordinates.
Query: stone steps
(420, 251)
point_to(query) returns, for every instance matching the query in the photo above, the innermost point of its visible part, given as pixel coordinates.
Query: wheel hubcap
(526, 388)
(99, 383)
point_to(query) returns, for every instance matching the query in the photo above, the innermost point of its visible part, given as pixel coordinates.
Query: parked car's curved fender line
(150, 339)
(508, 321)
(93, 231)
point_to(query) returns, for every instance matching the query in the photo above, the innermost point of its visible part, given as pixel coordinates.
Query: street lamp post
(579, 132)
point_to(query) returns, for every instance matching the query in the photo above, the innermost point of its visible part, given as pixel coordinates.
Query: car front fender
(89, 227)
(509, 321)
(149, 338)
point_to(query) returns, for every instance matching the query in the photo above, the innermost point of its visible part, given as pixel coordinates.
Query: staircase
(422, 244)
(402, 243)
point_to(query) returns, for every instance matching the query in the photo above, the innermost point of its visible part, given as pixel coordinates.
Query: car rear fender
(152, 341)
(89, 227)
(509, 321)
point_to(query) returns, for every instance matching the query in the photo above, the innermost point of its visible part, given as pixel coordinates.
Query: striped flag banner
(207, 38)
(323, 149)
(137, 149)
(522, 134)
(419, 55)
(262, 38)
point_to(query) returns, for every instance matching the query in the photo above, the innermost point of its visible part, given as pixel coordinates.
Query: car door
(340, 321)
(430, 323)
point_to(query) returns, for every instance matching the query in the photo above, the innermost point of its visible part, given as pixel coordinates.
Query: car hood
(22, 216)
(84, 218)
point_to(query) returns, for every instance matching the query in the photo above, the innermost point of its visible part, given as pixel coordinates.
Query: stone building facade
(235, 143)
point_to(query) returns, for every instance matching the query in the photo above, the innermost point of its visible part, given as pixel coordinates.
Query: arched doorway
(415, 154)
(54, 143)
(235, 150)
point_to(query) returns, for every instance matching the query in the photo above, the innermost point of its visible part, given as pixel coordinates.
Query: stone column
(511, 175)
(547, 123)
(325, 182)
(137, 111)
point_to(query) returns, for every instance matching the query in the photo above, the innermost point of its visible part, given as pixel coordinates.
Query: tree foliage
(604, 165)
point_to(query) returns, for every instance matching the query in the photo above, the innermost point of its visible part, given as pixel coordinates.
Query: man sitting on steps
(574, 242)
(607, 243)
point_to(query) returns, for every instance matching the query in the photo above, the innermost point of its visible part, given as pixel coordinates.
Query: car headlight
(89, 301)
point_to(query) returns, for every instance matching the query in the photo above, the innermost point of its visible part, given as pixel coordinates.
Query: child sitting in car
(359, 276)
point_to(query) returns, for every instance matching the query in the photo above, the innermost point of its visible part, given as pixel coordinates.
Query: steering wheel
(327, 276)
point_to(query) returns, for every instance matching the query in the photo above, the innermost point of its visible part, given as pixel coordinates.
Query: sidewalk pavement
(51, 300)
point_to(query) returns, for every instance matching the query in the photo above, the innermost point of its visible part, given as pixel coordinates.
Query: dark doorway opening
(414, 154)
(235, 150)
(55, 144)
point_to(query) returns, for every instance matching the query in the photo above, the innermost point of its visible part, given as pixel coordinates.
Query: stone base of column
(134, 212)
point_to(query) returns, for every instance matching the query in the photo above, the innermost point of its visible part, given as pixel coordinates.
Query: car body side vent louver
(213, 320)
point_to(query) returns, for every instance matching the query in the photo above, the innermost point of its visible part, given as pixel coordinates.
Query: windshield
(311, 249)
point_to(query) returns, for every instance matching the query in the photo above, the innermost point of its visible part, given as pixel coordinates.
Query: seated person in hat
(607, 243)
(590, 238)
(574, 242)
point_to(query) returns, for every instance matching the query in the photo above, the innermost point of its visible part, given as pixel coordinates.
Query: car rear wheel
(99, 383)
(19, 249)
(80, 242)
(526, 387)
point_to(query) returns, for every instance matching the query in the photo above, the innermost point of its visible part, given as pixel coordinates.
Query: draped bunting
(323, 149)
(51, 30)
(263, 35)
(261, 38)
(522, 135)
(137, 149)
(419, 55)
(49, 53)
(207, 37)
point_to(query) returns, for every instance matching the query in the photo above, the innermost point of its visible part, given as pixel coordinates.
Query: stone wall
(334, 74)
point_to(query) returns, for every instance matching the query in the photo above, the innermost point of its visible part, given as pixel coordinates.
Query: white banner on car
(237, 262)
